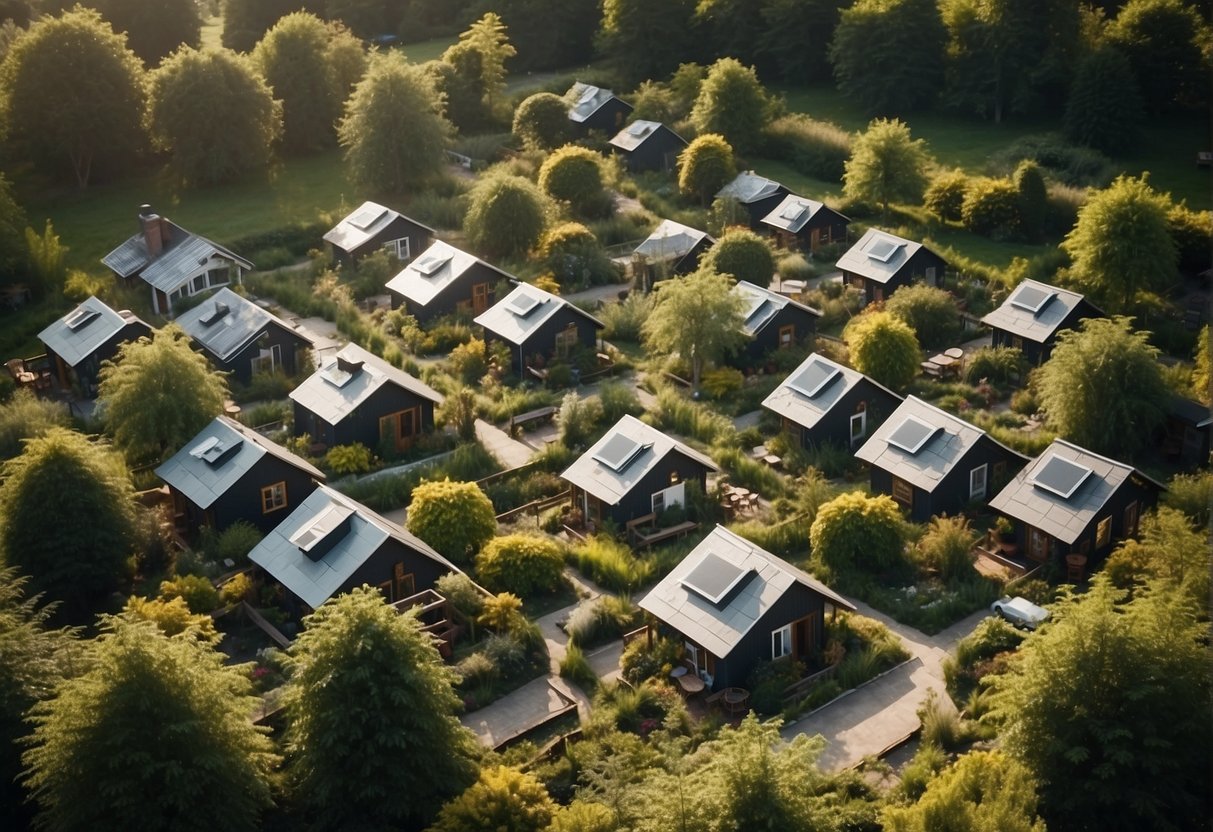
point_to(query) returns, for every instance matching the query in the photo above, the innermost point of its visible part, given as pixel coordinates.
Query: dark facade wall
(1033, 352)
(243, 500)
(380, 567)
(761, 207)
(767, 339)
(447, 301)
(362, 424)
(690, 260)
(639, 501)
(755, 646)
(292, 346)
(835, 426)
(419, 240)
(825, 220)
(951, 495)
(912, 271)
(659, 152)
(543, 340)
(608, 118)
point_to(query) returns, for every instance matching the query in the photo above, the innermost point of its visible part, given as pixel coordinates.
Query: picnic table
(690, 684)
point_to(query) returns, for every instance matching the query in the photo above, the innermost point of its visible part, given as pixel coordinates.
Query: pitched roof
(218, 456)
(1037, 499)
(794, 212)
(878, 255)
(1034, 310)
(180, 257)
(524, 310)
(356, 534)
(761, 306)
(587, 100)
(226, 323)
(362, 224)
(748, 187)
(347, 379)
(81, 332)
(433, 271)
(1189, 410)
(639, 132)
(920, 443)
(812, 389)
(631, 449)
(761, 580)
(671, 240)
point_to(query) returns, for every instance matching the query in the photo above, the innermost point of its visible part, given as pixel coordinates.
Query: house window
(659, 502)
(398, 248)
(859, 426)
(787, 336)
(480, 298)
(903, 492)
(700, 660)
(199, 284)
(273, 497)
(1130, 529)
(405, 585)
(878, 294)
(674, 477)
(977, 482)
(386, 589)
(781, 641)
(219, 277)
(566, 340)
(1103, 532)
(268, 360)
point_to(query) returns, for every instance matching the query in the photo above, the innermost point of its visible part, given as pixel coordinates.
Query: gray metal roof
(793, 213)
(203, 481)
(749, 187)
(1190, 410)
(315, 581)
(234, 329)
(671, 240)
(178, 261)
(363, 223)
(433, 271)
(939, 455)
(795, 404)
(1038, 326)
(587, 100)
(523, 311)
(639, 132)
(610, 485)
(761, 305)
(719, 629)
(878, 255)
(332, 393)
(80, 333)
(1059, 517)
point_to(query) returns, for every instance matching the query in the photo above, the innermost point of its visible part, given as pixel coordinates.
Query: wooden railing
(797, 690)
(536, 506)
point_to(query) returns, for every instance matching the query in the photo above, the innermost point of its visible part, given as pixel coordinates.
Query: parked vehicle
(1020, 612)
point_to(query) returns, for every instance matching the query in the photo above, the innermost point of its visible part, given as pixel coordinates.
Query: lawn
(427, 50)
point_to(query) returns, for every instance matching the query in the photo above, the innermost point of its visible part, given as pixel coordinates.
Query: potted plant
(1004, 530)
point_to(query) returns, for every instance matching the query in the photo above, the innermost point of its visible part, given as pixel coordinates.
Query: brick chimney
(149, 224)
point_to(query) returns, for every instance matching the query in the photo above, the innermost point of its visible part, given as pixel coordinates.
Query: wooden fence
(535, 506)
(798, 690)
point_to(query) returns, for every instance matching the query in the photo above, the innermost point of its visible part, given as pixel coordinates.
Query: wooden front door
(804, 636)
(1038, 545)
(480, 298)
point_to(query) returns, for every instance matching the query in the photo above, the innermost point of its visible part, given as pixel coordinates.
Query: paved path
(883, 712)
(594, 294)
(509, 452)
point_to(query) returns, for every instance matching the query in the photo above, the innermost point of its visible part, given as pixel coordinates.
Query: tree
(504, 800)
(886, 54)
(983, 790)
(159, 393)
(1192, 232)
(214, 114)
(393, 131)
(1108, 707)
(14, 256)
(366, 17)
(1121, 243)
(733, 104)
(1169, 547)
(1102, 386)
(796, 37)
(645, 39)
(542, 121)
(62, 474)
(1104, 108)
(705, 166)
(883, 347)
(744, 255)
(1202, 377)
(1162, 40)
(573, 255)
(153, 28)
(945, 195)
(550, 34)
(928, 310)
(70, 91)
(347, 60)
(246, 21)
(573, 174)
(487, 38)
(506, 215)
(523, 564)
(857, 532)
(156, 734)
(991, 208)
(372, 739)
(731, 27)
(293, 59)
(1032, 198)
(456, 518)
(698, 317)
(886, 164)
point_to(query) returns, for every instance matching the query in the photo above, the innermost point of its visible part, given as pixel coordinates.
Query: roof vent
(317, 539)
(347, 365)
(216, 313)
(81, 318)
(214, 451)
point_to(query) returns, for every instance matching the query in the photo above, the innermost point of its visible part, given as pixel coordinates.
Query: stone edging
(847, 693)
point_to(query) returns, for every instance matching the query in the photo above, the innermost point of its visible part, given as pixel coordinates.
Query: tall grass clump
(815, 148)
(623, 321)
(679, 414)
(26, 416)
(576, 668)
(749, 473)
(788, 539)
(610, 564)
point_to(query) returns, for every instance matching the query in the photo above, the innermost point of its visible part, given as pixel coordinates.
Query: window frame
(270, 501)
(394, 248)
(862, 416)
(787, 336)
(784, 636)
(908, 498)
(983, 471)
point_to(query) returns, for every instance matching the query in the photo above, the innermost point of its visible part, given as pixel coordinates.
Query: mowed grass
(427, 50)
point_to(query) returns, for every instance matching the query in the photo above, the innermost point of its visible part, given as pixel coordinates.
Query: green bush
(573, 175)
(348, 459)
(477, 670)
(991, 208)
(795, 267)
(578, 419)
(1068, 163)
(623, 321)
(930, 311)
(1024, 402)
(857, 532)
(610, 564)
(522, 564)
(618, 400)
(946, 546)
(233, 543)
(571, 252)
(469, 362)
(1191, 494)
(506, 215)
(198, 592)
(768, 681)
(599, 620)
(926, 763)
(576, 668)
(462, 593)
(749, 473)
(679, 414)
(815, 148)
(1033, 199)
(25, 416)
(744, 255)
(456, 518)
(946, 194)
(541, 121)
(997, 365)
(722, 382)
(641, 662)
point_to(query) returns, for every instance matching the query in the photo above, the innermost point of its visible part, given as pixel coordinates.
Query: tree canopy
(857, 532)
(733, 104)
(698, 317)
(246, 21)
(744, 255)
(573, 174)
(504, 800)
(928, 310)
(705, 166)
(393, 131)
(1104, 108)
(14, 255)
(550, 34)
(293, 58)
(153, 28)
(542, 121)
(488, 39)
(983, 790)
(1168, 547)
(887, 165)
(214, 114)
(158, 393)
(1162, 40)
(506, 215)
(1102, 386)
(883, 347)
(372, 741)
(72, 95)
(646, 39)
(456, 518)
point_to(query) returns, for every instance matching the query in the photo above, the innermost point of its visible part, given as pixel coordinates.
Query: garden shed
(880, 263)
(91, 333)
(595, 108)
(444, 280)
(243, 338)
(757, 194)
(371, 227)
(648, 145)
(805, 224)
(1032, 315)
(539, 327)
(772, 321)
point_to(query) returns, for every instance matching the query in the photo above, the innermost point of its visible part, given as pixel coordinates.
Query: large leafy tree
(1169, 547)
(541, 121)
(62, 474)
(1121, 244)
(883, 347)
(796, 37)
(506, 215)
(550, 34)
(456, 518)
(72, 95)
(1163, 40)
(487, 38)
(983, 790)
(1102, 386)
(886, 54)
(158, 393)
(373, 741)
(887, 164)
(573, 174)
(744, 255)
(646, 39)
(732, 27)
(1104, 108)
(246, 21)
(14, 254)
(153, 28)
(504, 800)
(293, 58)
(698, 317)
(1109, 708)
(214, 114)
(393, 132)
(733, 103)
(705, 166)
(155, 735)
(928, 310)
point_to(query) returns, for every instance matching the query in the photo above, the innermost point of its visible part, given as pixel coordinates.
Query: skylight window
(814, 378)
(1031, 298)
(524, 303)
(1061, 476)
(793, 211)
(430, 264)
(912, 434)
(587, 95)
(81, 318)
(620, 451)
(368, 216)
(713, 578)
(882, 250)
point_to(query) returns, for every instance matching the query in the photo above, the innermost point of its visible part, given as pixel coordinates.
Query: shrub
(610, 564)
(618, 399)
(640, 662)
(1068, 163)
(172, 616)
(502, 612)
(462, 593)
(1024, 402)
(25, 416)
(506, 215)
(722, 382)
(997, 365)
(795, 267)
(577, 419)
(705, 166)
(854, 531)
(815, 148)
(926, 763)
(469, 362)
(1191, 494)
(576, 668)
(744, 255)
(233, 543)
(1192, 232)
(941, 725)
(571, 252)
(477, 670)
(768, 681)
(573, 174)
(598, 620)
(456, 518)
(520, 563)
(198, 592)
(239, 588)
(930, 311)
(541, 121)
(945, 195)
(624, 321)
(679, 414)
(348, 459)
(883, 347)
(991, 208)
(1033, 199)
(946, 546)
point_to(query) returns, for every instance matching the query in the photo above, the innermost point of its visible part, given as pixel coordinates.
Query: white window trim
(862, 416)
(398, 248)
(658, 502)
(273, 356)
(974, 492)
(781, 642)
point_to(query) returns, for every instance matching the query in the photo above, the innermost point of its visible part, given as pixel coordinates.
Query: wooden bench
(541, 414)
